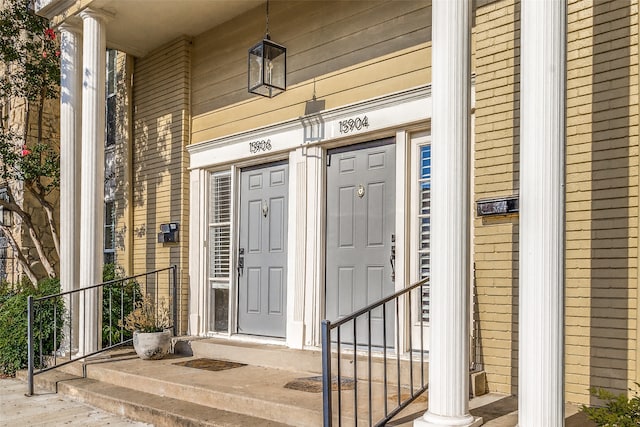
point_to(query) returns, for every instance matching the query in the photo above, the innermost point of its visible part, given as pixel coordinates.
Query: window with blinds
(220, 225)
(424, 224)
(219, 250)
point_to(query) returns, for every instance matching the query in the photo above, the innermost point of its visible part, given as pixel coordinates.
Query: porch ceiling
(139, 26)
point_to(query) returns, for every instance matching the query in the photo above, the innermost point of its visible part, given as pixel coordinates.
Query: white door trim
(390, 115)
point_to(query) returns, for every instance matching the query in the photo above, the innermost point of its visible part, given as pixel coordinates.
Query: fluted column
(70, 131)
(450, 211)
(542, 140)
(92, 186)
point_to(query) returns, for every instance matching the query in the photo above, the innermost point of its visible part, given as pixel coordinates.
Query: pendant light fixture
(267, 67)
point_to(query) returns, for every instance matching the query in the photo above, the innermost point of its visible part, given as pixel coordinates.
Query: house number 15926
(350, 125)
(262, 145)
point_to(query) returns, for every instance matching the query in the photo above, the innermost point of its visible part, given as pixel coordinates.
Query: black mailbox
(168, 233)
(498, 206)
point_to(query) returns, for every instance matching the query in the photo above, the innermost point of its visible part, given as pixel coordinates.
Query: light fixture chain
(267, 31)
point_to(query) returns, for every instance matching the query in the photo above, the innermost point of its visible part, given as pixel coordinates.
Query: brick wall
(496, 58)
(602, 196)
(601, 193)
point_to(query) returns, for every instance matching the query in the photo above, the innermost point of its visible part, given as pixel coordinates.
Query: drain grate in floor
(210, 364)
(314, 384)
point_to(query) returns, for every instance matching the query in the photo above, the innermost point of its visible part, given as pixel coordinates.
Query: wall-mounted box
(497, 206)
(168, 233)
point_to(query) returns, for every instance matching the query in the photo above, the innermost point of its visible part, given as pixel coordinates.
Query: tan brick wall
(602, 196)
(161, 92)
(601, 193)
(496, 58)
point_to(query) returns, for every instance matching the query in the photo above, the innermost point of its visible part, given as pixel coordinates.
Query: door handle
(392, 258)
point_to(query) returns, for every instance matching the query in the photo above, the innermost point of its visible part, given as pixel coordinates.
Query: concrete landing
(165, 393)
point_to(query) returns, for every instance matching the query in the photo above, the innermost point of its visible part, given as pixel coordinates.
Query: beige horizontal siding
(161, 102)
(353, 50)
(123, 147)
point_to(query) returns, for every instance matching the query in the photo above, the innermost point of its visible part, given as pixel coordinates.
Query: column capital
(99, 14)
(71, 25)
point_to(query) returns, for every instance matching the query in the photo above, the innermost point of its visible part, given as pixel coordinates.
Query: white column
(92, 174)
(297, 246)
(70, 110)
(450, 212)
(542, 139)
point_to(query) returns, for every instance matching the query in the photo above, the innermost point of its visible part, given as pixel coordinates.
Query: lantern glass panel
(274, 66)
(267, 69)
(255, 67)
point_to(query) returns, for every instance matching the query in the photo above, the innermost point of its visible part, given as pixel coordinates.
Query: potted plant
(150, 326)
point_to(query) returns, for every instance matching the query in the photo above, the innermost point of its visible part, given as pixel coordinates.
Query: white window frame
(418, 140)
(215, 281)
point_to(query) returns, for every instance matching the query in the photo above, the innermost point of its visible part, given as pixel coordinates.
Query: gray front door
(262, 253)
(361, 235)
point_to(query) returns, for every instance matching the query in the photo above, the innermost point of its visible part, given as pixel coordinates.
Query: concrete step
(146, 407)
(255, 390)
(252, 390)
(308, 360)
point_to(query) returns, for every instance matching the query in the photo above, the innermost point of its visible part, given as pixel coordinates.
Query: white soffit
(139, 26)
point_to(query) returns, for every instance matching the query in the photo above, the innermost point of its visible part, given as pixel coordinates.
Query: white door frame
(392, 115)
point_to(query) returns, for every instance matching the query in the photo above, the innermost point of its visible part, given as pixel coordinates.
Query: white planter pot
(152, 345)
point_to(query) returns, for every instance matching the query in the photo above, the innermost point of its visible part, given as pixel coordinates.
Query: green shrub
(618, 410)
(117, 302)
(13, 324)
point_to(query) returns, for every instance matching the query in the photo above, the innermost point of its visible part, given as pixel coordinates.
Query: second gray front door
(262, 253)
(361, 235)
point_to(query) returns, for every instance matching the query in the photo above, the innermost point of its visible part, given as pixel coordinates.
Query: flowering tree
(29, 148)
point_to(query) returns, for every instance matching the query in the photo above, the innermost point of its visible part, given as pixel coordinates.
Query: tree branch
(48, 208)
(37, 242)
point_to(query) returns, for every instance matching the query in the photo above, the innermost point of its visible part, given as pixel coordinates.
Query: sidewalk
(50, 409)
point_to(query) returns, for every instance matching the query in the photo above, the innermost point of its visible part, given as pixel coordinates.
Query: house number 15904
(350, 125)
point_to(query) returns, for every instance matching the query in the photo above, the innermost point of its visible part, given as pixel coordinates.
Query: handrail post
(326, 373)
(30, 356)
(175, 300)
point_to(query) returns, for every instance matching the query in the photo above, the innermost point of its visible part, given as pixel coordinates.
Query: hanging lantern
(267, 68)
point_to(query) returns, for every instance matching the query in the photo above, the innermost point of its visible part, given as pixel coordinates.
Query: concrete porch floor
(163, 393)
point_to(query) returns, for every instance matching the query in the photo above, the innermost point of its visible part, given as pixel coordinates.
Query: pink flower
(44, 53)
(57, 53)
(25, 151)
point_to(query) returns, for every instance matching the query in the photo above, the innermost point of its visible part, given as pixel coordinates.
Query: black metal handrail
(415, 390)
(61, 306)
